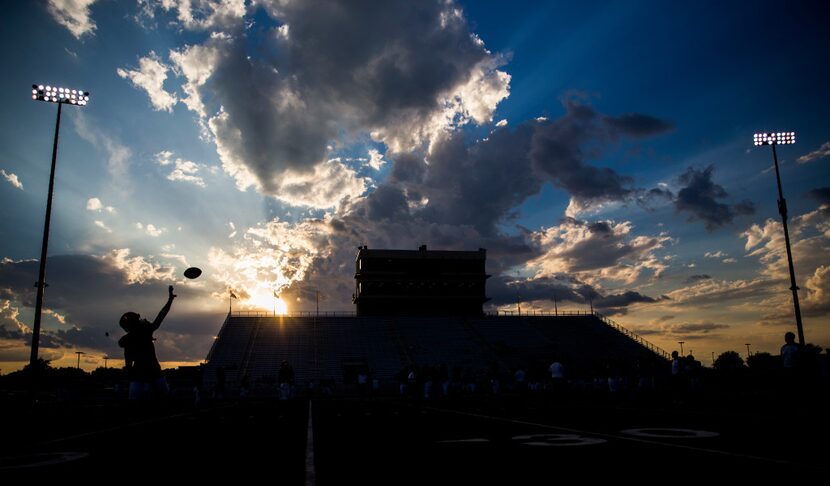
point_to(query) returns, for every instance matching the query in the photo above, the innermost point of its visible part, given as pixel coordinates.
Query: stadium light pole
(748, 354)
(681, 346)
(79, 353)
(61, 96)
(773, 139)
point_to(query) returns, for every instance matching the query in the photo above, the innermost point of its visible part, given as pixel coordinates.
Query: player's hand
(170, 292)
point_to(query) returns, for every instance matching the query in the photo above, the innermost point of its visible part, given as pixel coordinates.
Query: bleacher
(329, 347)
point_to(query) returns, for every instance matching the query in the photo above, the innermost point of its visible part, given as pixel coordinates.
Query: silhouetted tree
(729, 361)
(762, 362)
(40, 365)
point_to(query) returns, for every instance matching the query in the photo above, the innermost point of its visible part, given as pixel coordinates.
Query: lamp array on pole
(773, 139)
(55, 94)
(61, 96)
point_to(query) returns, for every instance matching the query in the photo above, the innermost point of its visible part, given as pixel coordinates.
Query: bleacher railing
(260, 313)
(606, 320)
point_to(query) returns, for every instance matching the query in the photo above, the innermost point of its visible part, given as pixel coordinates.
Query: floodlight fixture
(55, 94)
(773, 139)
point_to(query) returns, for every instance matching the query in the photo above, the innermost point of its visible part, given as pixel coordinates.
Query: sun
(281, 307)
(263, 298)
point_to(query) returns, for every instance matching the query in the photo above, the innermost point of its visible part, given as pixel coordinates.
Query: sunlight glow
(282, 307)
(263, 299)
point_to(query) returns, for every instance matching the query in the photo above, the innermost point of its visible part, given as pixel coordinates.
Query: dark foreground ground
(391, 441)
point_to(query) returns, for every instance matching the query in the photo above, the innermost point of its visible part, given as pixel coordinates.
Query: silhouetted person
(143, 369)
(285, 380)
(557, 377)
(790, 354)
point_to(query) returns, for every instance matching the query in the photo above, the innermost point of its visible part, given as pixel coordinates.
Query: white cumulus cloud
(150, 77)
(95, 205)
(822, 152)
(74, 15)
(12, 179)
(151, 229)
(183, 170)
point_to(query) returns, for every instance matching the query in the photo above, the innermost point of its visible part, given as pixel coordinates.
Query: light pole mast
(774, 139)
(59, 96)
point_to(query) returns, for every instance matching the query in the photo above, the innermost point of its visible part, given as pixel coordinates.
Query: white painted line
(310, 473)
(39, 459)
(662, 433)
(461, 441)
(558, 440)
(622, 437)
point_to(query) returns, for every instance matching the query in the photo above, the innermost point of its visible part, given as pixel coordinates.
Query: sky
(602, 153)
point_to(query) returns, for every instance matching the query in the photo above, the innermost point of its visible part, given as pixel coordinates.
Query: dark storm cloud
(561, 149)
(700, 196)
(602, 248)
(638, 125)
(387, 202)
(503, 290)
(93, 309)
(460, 197)
(821, 194)
(479, 184)
(313, 84)
(697, 278)
(692, 330)
(623, 299)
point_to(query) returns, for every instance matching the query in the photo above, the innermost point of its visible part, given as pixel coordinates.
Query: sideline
(310, 473)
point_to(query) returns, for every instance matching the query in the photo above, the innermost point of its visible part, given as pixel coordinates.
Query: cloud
(103, 226)
(616, 303)
(540, 292)
(270, 257)
(697, 278)
(74, 15)
(700, 195)
(95, 205)
(638, 125)
(729, 260)
(151, 229)
(203, 14)
(716, 254)
(12, 179)
(328, 185)
(501, 123)
(150, 77)
(10, 325)
(183, 170)
(414, 72)
(196, 64)
(602, 249)
(375, 159)
(821, 194)
(817, 302)
(822, 152)
(712, 292)
(695, 330)
(118, 155)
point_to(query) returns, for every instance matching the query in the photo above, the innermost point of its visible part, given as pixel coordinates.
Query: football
(192, 272)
